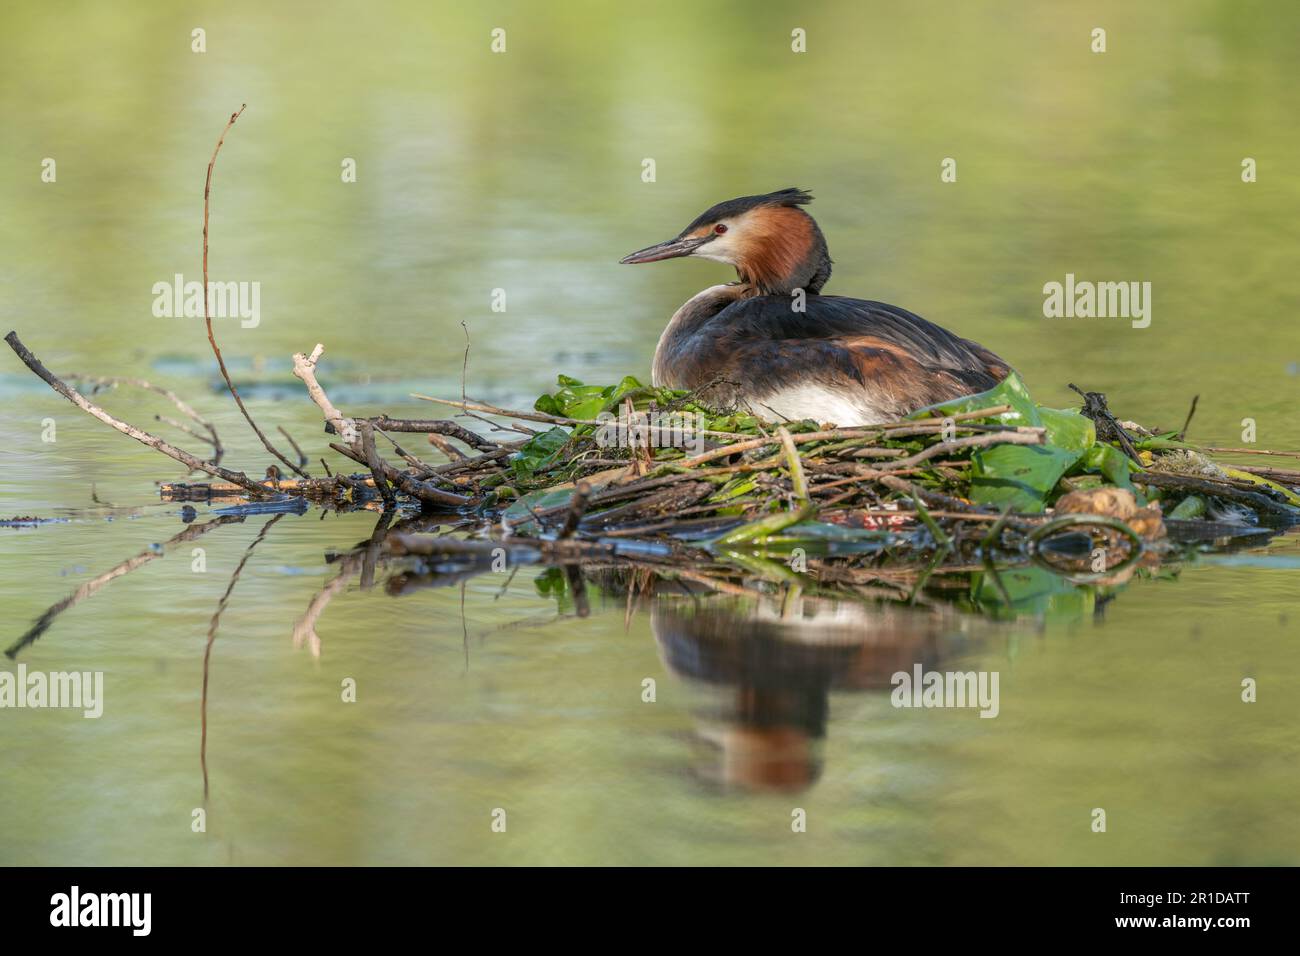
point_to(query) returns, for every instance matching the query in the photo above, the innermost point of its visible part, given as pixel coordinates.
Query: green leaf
(762, 527)
(1193, 506)
(523, 508)
(576, 400)
(1107, 460)
(548, 405)
(585, 408)
(1068, 430)
(1021, 476)
(735, 488)
(1163, 443)
(538, 452)
(1010, 391)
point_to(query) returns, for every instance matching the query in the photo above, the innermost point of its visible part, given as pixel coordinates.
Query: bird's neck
(676, 361)
(786, 251)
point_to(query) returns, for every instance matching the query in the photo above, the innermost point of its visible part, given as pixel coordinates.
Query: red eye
(719, 229)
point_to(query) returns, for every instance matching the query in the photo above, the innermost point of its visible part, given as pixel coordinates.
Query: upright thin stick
(207, 315)
(797, 480)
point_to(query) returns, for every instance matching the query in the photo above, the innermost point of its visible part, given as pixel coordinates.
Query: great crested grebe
(772, 343)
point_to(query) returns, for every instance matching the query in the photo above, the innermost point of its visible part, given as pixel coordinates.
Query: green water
(522, 171)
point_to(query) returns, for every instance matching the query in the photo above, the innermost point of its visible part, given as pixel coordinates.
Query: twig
(297, 487)
(577, 508)
(350, 483)
(182, 427)
(569, 549)
(304, 368)
(376, 463)
(945, 501)
(207, 315)
(1285, 476)
(405, 455)
(302, 457)
(1251, 499)
(735, 448)
(1252, 451)
(1095, 408)
(211, 438)
(464, 362)
(1187, 423)
(545, 418)
(446, 447)
(144, 437)
(1023, 436)
(469, 464)
(433, 426)
(408, 484)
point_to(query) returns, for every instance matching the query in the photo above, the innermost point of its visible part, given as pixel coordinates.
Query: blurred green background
(522, 171)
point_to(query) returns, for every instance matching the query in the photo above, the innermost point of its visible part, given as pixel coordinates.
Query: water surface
(522, 172)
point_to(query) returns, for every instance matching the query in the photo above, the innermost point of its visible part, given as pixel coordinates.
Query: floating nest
(592, 472)
(637, 484)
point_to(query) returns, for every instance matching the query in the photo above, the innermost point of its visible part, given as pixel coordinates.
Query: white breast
(821, 404)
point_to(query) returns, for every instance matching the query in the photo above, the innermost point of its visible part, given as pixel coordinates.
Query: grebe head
(773, 244)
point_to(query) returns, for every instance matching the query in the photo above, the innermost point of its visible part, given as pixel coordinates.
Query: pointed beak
(672, 249)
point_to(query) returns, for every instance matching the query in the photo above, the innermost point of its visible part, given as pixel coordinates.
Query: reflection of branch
(304, 629)
(212, 636)
(298, 487)
(577, 589)
(126, 567)
(363, 558)
(565, 550)
(153, 441)
(373, 549)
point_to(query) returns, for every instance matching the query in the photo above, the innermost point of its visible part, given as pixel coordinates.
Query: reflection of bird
(771, 672)
(772, 343)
